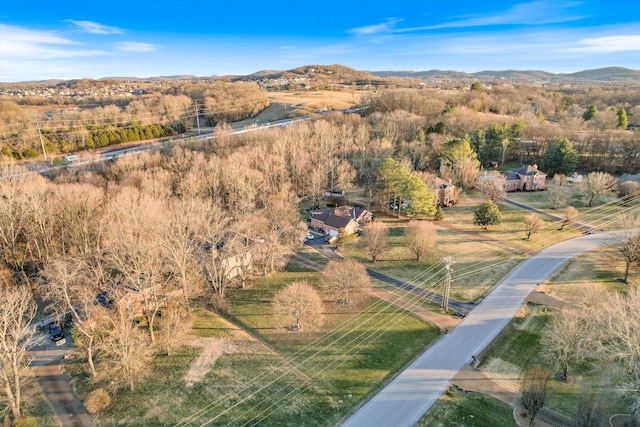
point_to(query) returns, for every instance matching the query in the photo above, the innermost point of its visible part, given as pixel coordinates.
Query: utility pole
(41, 139)
(447, 284)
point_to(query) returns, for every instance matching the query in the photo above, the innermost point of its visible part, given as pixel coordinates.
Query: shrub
(97, 401)
(26, 421)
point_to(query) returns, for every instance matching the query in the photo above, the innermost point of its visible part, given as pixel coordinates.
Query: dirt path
(213, 348)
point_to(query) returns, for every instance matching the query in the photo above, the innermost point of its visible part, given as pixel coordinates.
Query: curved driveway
(412, 393)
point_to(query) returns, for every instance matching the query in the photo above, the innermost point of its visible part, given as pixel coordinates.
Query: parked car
(309, 236)
(55, 332)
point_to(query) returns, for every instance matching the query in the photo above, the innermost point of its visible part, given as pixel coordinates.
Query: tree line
(98, 124)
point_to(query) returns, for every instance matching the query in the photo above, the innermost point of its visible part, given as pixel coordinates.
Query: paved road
(411, 394)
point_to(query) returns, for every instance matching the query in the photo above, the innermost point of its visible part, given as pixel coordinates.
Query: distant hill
(336, 73)
(617, 74)
(316, 72)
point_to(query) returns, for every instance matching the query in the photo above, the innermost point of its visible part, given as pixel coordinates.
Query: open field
(275, 376)
(301, 102)
(601, 215)
(589, 273)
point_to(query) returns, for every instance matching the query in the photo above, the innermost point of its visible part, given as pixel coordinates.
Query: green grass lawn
(518, 348)
(601, 215)
(307, 378)
(36, 411)
(478, 264)
(459, 408)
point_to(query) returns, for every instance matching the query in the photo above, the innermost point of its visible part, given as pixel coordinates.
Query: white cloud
(23, 43)
(94, 28)
(538, 12)
(137, 47)
(607, 44)
(384, 27)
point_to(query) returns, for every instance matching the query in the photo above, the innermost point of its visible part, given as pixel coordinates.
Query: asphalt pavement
(405, 400)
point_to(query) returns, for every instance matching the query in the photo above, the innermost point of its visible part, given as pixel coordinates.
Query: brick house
(445, 193)
(331, 220)
(526, 178)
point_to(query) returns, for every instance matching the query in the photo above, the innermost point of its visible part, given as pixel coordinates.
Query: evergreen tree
(487, 214)
(623, 121)
(560, 157)
(591, 111)
(439, 215)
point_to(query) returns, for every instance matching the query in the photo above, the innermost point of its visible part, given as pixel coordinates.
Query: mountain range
(608, 74)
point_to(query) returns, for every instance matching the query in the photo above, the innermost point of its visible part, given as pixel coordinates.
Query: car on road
(55, 332)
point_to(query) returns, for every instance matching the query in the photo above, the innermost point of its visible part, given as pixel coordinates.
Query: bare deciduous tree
(17, 310)
(492, 184)
(280, 228)
(597, 184)
(300, 301)
(619, 333)
(220, 260)
(534, 389)
(188, 223)
(135, 252)
(72, 289)
(558, 190)
(569, 339)
(532, 224)
(173, 326)
(13, 221)
(79, 218)
(629, 192)
(344, 280)
(591, 412)
(421, 238)
(375, 239)
(570, 217)
(126, 351)
(629, 247)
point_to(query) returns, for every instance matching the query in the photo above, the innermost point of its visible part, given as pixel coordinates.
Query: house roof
(529, 170)
(441, 183)
(340, 216)
(346, 211)
(338, 222)
(512, 176)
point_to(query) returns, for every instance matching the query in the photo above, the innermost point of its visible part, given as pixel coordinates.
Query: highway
(411, 394)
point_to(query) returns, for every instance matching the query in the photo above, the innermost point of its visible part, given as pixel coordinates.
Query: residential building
(331, 220)
(526, 178)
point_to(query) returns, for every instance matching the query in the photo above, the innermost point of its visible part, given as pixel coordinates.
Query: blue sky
(77, 39)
